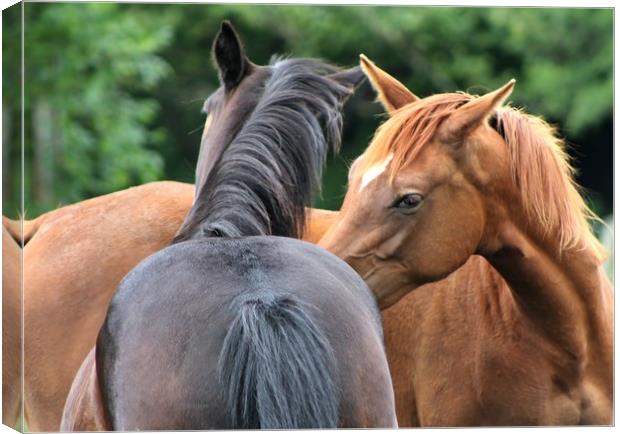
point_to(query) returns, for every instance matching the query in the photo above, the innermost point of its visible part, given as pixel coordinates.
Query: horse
(225, 314)
(464, 218)
(60, 255)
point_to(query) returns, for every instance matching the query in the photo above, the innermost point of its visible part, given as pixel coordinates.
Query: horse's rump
(256, 287)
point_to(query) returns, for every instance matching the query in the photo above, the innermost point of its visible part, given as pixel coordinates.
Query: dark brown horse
(228, 319)
(520, 332)
(68, 278)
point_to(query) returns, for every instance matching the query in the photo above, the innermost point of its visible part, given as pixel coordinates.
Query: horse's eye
(409, 201)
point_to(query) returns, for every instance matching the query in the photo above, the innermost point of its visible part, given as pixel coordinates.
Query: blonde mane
(541, 169)
(540, 165)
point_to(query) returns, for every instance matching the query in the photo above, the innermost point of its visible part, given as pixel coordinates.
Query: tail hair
(278, 367)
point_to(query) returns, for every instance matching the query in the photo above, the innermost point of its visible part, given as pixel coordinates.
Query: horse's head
(228, 107)
(415, 208)
(242, 86)
(265, 140)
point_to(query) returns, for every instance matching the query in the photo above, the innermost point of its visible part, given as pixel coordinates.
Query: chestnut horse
(226, 318)
(520, 332)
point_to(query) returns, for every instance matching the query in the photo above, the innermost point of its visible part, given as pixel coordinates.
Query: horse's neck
(566, 295)
(318, 222)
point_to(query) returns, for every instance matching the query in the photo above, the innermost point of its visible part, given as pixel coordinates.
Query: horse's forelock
(409, 129)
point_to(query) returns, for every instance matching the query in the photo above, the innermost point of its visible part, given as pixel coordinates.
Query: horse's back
(171, 316)
(169, 200)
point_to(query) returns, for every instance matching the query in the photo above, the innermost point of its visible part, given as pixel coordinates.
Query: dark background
(114, 91)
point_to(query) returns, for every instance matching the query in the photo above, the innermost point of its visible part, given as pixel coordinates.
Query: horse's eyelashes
(409, 202)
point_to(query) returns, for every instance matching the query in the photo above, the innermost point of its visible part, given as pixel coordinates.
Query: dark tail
(278, 367)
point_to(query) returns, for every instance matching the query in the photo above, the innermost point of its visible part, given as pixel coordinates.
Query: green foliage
(126, 82)
(89, 71)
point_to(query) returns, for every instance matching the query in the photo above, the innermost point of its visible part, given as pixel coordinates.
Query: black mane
(266, 176)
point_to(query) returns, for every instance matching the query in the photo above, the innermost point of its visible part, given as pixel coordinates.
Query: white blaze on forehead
(375, 171)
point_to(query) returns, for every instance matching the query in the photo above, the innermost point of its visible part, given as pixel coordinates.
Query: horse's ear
(472, 114)
(390, 92)
(229, 56)
(349, 78)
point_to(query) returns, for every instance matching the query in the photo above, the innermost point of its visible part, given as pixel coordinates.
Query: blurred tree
(88, 116)
(562, 59)
(11, 108)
